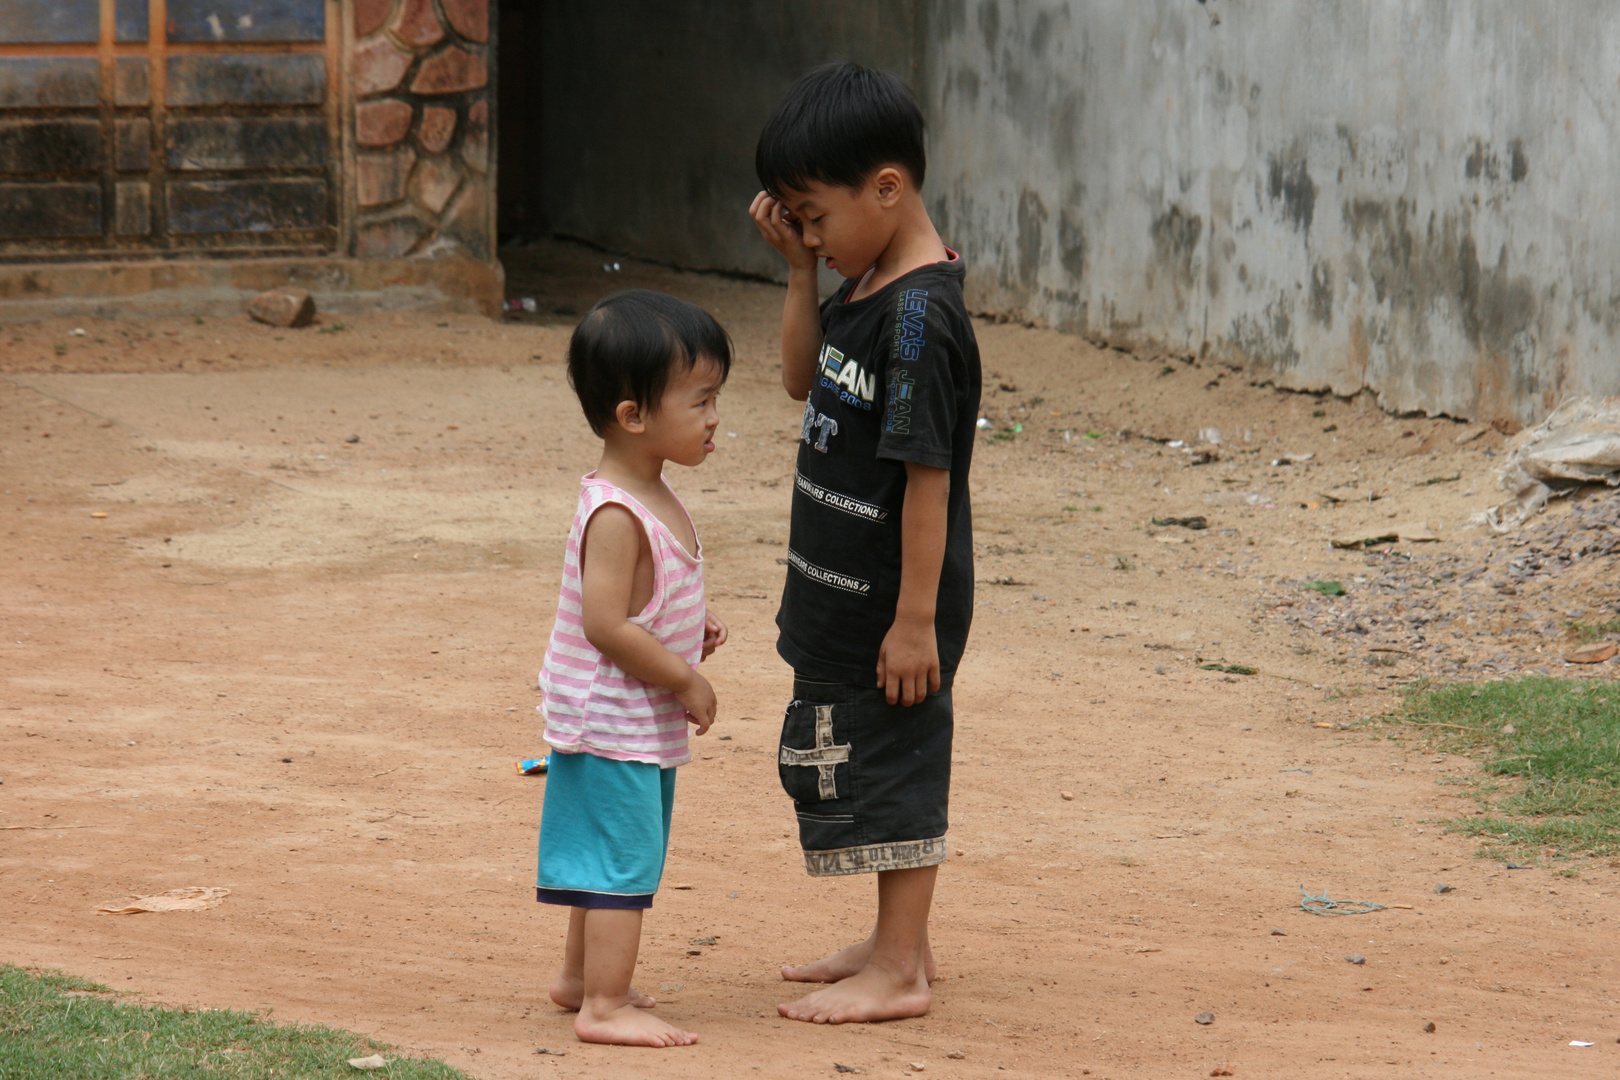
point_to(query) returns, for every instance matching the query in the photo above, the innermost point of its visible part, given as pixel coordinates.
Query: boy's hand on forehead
(777, 225)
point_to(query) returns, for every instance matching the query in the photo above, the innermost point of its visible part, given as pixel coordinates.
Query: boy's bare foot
(844, 963)
(629, 1026)
(870, 994)
(570, 994)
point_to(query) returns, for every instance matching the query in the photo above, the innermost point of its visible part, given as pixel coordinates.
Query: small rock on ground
(283, 307)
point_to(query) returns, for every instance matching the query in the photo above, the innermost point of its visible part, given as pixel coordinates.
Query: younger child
(620, 681)
(879, 585)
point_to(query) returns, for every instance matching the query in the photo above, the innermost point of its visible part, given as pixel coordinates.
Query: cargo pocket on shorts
(813, 764)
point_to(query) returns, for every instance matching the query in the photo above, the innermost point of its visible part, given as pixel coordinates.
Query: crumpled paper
(1579, 443)
(375, 1061)
(195, 898)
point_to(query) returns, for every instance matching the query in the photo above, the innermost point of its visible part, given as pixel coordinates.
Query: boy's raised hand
(780, 231)
(700, 703)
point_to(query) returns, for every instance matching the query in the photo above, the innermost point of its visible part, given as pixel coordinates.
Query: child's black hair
(627, 346)
(839, 124)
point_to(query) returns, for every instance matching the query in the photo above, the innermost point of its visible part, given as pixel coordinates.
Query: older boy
(880, 555)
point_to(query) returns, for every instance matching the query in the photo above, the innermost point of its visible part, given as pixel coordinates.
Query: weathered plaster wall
(650, 112)
(1415, 196)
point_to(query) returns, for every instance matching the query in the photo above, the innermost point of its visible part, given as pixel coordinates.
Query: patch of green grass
(54, 1026)
(1590, 631)
(335, 328)
(1557, 742)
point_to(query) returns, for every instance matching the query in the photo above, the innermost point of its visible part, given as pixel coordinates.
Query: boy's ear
(630, 417)
(889, 183)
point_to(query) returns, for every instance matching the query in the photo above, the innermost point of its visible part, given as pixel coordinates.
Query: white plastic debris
(1577, 1042)
(375, 1061)
(1579, 443)
(1210, 434)
(984, 423)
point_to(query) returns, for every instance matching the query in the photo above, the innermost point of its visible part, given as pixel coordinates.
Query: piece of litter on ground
(1578, 443)
(1326, 588)
(375, 1061)
(99, 514)
(196, 898)
(682, 885)
(1278, 932)
(1577, 1042)
(533, 766)
(1204, 1018)
(1321, 905)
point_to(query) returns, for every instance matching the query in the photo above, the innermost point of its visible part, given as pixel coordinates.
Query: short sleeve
(926, 384)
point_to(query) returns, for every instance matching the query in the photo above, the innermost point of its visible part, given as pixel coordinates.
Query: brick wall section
(422, 168)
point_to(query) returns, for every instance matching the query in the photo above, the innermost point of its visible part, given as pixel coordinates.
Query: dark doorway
(518, 112)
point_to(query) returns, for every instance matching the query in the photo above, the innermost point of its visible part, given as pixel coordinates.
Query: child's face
(682, 427)
(847, 227)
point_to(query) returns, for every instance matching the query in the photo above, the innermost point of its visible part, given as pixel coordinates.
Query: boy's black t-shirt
(897, 381)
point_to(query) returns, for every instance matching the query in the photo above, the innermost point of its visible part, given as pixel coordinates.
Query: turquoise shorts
(604, 831)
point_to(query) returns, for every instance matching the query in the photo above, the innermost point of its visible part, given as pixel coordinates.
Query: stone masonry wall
(422, 173)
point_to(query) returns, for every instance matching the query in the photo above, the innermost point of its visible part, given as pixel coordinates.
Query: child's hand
(714, 633)
(700, 703)
(780, 231)
(908, 661)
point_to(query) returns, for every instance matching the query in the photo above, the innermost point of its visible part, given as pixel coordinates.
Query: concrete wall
(1409, 195)
(1415, 196)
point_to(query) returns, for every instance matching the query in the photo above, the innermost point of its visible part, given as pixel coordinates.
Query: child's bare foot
(629, 1026)
(870, 994)
(844, 963)
(570, 994)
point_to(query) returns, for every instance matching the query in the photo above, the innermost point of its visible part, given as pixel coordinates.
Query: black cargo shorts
(870, 781)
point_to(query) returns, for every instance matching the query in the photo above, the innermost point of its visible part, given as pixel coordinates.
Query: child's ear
(629, 416)
(888, 185)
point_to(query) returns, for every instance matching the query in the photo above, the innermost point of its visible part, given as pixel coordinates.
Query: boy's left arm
(908, 661)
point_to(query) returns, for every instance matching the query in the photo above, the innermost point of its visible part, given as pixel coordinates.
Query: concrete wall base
(221, 287)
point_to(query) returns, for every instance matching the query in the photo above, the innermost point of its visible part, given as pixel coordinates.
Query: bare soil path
(301, 667)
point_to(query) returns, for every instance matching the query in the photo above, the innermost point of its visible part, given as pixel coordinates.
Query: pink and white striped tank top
(590, 704)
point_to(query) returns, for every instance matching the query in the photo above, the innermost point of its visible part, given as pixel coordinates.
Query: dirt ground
(274, 602)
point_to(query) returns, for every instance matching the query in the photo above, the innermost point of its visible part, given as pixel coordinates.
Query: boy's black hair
(628, 344)
(839, 124)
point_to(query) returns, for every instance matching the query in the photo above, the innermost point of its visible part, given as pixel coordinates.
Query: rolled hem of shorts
(582, 899)
(874, 858)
